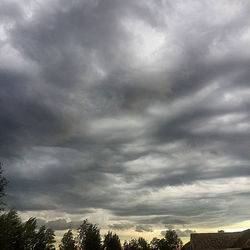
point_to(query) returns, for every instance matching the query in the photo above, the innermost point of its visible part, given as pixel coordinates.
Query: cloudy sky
(134, 114)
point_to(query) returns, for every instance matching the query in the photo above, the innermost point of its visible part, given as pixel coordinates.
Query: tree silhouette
(172, 240)
(89, 236)
(3, 183)
(11, 231)
(155, 244)
(44, 239)
(29, 233)
(159, 244)
(131, 245)
(134, 244)
(68, 242)
(142, 243)
(111, 242)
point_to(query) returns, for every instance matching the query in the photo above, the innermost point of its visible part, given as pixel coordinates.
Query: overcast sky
(135, 114)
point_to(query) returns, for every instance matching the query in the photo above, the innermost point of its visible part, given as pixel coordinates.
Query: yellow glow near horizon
(131, 233)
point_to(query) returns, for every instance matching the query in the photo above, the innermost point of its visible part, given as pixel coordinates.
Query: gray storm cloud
(139, 109)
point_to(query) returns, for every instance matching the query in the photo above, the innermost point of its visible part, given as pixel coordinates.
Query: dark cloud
(121, 226)
(139, 112)
(167, 220)
(180, 233)
(60, 224)
(9, 11)
(143, 228)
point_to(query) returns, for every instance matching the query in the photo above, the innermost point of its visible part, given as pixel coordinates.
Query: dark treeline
(88, 238)
(18, 235)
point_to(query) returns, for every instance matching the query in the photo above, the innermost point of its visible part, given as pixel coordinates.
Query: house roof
(219, 241)
(186, 246)
(214, 240)
(243, 240)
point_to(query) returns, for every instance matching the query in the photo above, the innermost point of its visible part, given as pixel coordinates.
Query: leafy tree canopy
(3, 183)
(15, 235)
(68, 242)
(111, 242)
(89, 236)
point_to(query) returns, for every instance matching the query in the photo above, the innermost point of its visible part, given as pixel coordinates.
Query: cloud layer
(138, 109)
